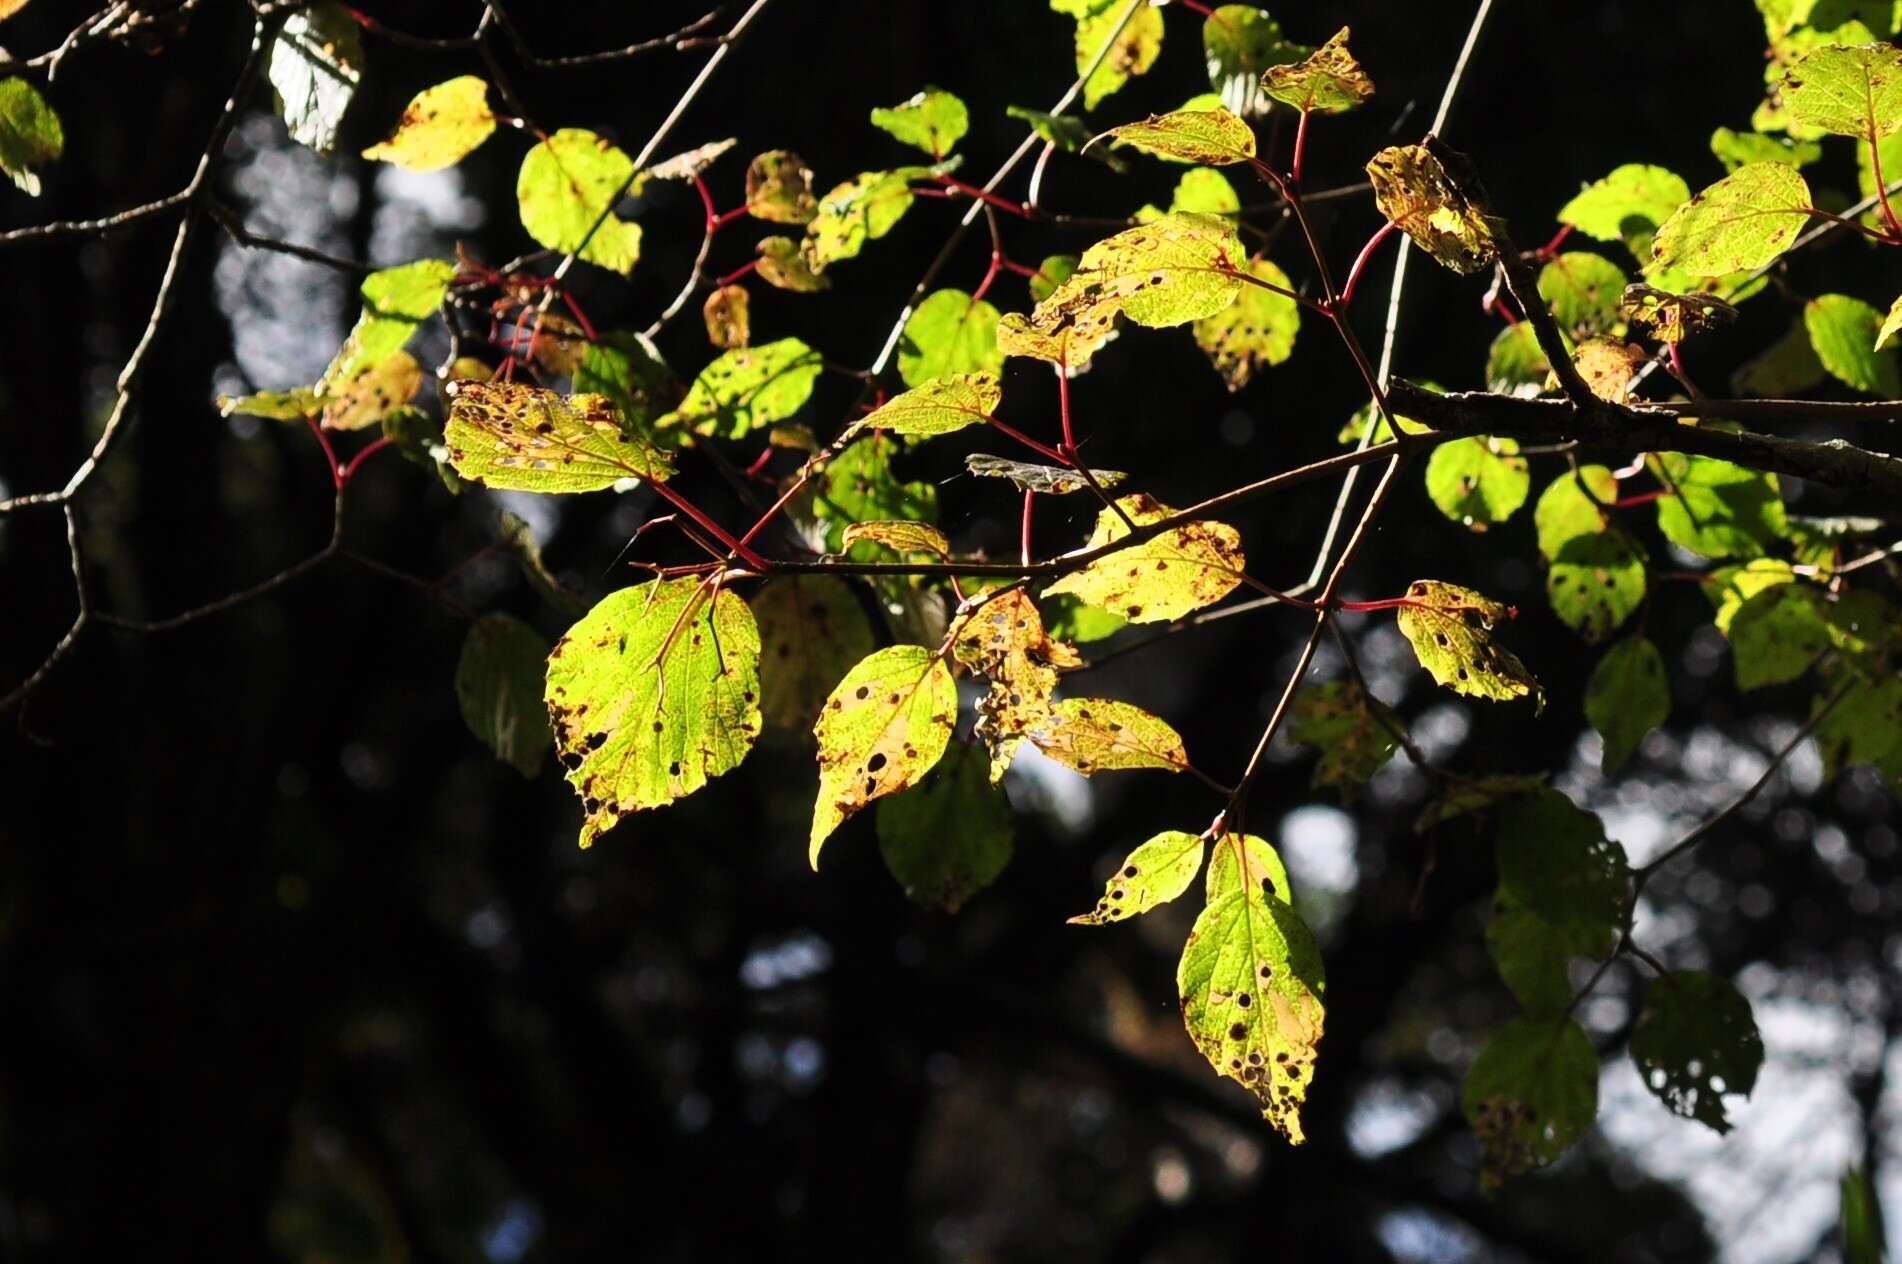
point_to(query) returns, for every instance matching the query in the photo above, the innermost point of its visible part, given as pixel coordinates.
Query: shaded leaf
(1582, 289)
(440, 126)
(1531, 1093)
(1257, 329)
(1327, 81)
(1155, 873)
(1451, 631)
(949, 838)
(1695, 1044)
(499, 686)
(1673, 317)
(1596, 582)
(316, 63)
(1554, 859)
(812, 630)
(859, 486)
(565, 184)
(1742, 222)
(1353, 731)
(746, 389)
(1863, 728)
(629, 371)
(1532, 953)
(1516, 363)
(1776, 635)
(933, 120)
(1065, 131)
(1573, 505)
(518, 437)
(1163, 578)
(1787, 367)
(1626, 698)
(1047, 480)
(727, 313)
(1431, 194)
(1239, 43)
(881, 730)
(1477, 795)
(950, 332)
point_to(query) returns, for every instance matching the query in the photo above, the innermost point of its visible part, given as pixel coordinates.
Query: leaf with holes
(1742, 222)
(728, 315)
(30, 134)
(1674, 317)
(1239, 857)
(949, 838)
(1845, 333)
(747, 389)
(779, 188)
(1582, 289)
(1092, 735)
(1695, 1044)
(784, 266)
(1776, 635)
(862, 209)
(1213, 138)
(1256, 331)
(1717, 509)
(1596, 582)
(1133, 48)
(1554, 859)
(499, 687)
(1252, 989)
(517, 437)
(811, 630)
(900, 537)
(1451, 631)
(933, 120)
(1573, 505)
(1239, 44)
(1532, 954)
(1328, 81)
(938, 406)
(1626, 698)
(1353, 731)
(652, 694)
(1003, 640)
(1531, 1093)
(1045, 480)
(440, 126)
(372, 393)
(880, 731)
(951, 332)
(1478, 482)
(1853, 91)
(1152, 875)
(567, 183)
(316, 64)
(1608, 366)
(1627, 205)
(1432, 195)
(1163, 578)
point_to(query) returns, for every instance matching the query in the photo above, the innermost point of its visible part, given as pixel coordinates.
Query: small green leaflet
(1163, 578)
(1429, 192)
(1583, 290)
(1251, 983)
(1845, 333)
(1236, 853)
(1628, 204)
(1554, 859)
(746, 389)
(1742, 222)
(1853, 91)
(1131, 52)
(1092, 735)
(951, 332)
(1045, 480)
(949, 838)
(1719, 509)
(1329, 81)
(395, 302)
(811, 630)
(882, 729)
(939, 406)
(566, 183)
(779, 188)
(1257, 330)
(1532, 954)
(934, 121)
(518, 437)
(1450, 629)
(1695, 1044)
(316, 64)
(1626, 698)
(1155, 873)
(1214, 138)
(30, 134)
(1734, 149)
(652, 694)
(1239, 43)
(499, 685)
(863, 209)
(440, 127)
(1478, 482)
(1353, 731)
(1777, 634)
(1530, 1094)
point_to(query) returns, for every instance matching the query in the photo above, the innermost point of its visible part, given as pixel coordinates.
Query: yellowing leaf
(565, 184)
(1329, 81)
(522, 438)
(1531, 1093)
(727, 312)
(1608, 365)
(1742, 222)
(746, 389)
(1215, 138)
(784, 266)
(396, 301)
(1256, 330)
(1132, 51)
(1673, 317)
(1890, 324)
(439, 127)
(30, 134)
(934, 121)
(1853, 91)
(900, 537)
(1152, 875)
(881, 730)
(939, 407)
(812, 630)
(292, 405)
(370, 394)
(1451, 631)
(1430, 193)
(1045, 480)
(1162, 578)
(864, 208)
(1003, 640)
(779, 188)
(1093, 735)
(1251, 983)
(1353, 731)
(652, 694)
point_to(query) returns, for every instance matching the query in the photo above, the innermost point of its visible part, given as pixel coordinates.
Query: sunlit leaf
(746, 389)
(629, 371)
(1132, 51)
(779, 188)
(1735, 149)
(727, 313)
(1890, 324)
(440, 126)
(812, 629)
(1451, 631)
(396, 301)
(949, 838)
(1608, 366)
(1068, 619)
(784, 266)
(291, 405)
(881, 730)
(1532, 953)
(1728, 587)
(1238, 858)
(1092, 735)
(1327, 81)
(1776, 635)
(1626, 698)
(939, 406)
(522, 438)
(1582, 289)
(692, 162)
(1479, 481)
(859, 486)
(1718, 509)
(1003, 640)
(1353, 731)
(1674, 317)
(1531, 1093)
(1844, 333)
(652, 694)
(863, 209)
(1163, 578)
(1045, 480)
(1695, 1044)
(315, 66)
(1854, 91)
(934, 121)
(566, 183)
(1573, 505)
(30, 134)
(1213, 138)
(499, 686)
(1887, 152)
(1431, 194)
(951, 332)
(1742, 222)
(1155, 873)
(1239, 43)
(370, 394)
(1629, 203)
(1258, 329)
(900, 537)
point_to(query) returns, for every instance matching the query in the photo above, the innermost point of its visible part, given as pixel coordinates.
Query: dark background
(289, 966)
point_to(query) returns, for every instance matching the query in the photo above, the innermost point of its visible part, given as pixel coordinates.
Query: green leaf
(747, 389)
(1328, 81)
(499, 684)
(653, 693)
(811, 629)
(934, 121)
(1786, 367)
(1052, 272)
(1434, 203)
(1583, 290)
(1554, 859)
(863, 209)
(1626, 698)
(1735, 149)
(1092, 735)
(1258, 329)
(1477, 795)
(1567, 509)
(1353, 730)
(1719, 509)
(903, 538)
(1132, 51)
(1728, 587)
(1235, 853)
(1864, 728)
(30, 134)
(1531, 1093)
(1629, 203)
(1532, 954)
(948, 839)
(1065, 131)
(1213, 138)
(565, 184)
(396, 301)
(1695, 1044)
(1864, 1241)
(518, 437)
(779, 188)
(1450, 629)
(1516, 363)
(1252, 983)
(291, 405)
(1163, 578)
(1201, 191)
(951, 332)
(1776, 635)
(1596, 582)
(1847, 91)
(1239, 44)
(316, 63)
(629, 371)
(1068, 619)
(1889, 151)
(1155, 873)
(881, 730)
(939, 406)
(1844, 331)
(440, 127)
(1742, 222)
(1478, 482)
(859, 486)
(1890, 324)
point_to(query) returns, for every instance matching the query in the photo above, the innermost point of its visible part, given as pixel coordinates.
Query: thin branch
(235, 229)
(80, 618)
(688, 36)
(95, 227)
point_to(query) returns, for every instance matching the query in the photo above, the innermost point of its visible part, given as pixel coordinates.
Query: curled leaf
(1327, 81)
(1431, 194)
(1046, 480)
(779, 188)
(1214, 138)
